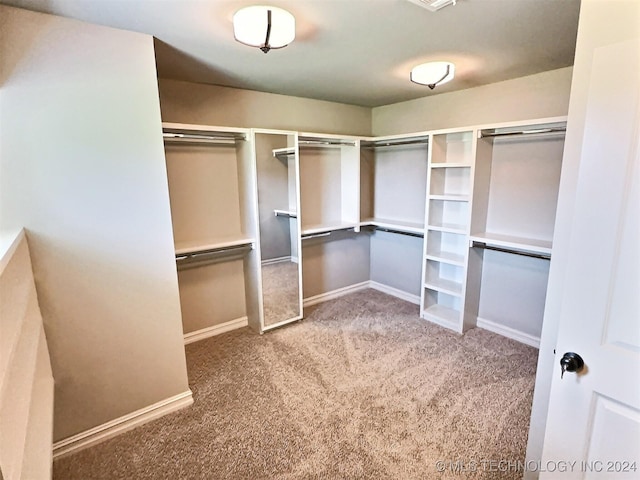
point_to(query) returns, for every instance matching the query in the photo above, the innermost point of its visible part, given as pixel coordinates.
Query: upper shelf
(516, 243)
(189, 133)
(184, 248)
(550, 128)
(397, 225)
(330, 227)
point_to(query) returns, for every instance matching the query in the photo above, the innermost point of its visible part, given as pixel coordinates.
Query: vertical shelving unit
(447, 226)
(212, 190)
(329, 183)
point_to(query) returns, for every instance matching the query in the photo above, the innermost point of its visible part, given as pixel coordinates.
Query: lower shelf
(444, 316)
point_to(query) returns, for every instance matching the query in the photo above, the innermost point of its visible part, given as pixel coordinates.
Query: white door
(593, 425)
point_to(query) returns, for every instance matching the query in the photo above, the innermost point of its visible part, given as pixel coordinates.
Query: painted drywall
(601, 23)
(82, 169)
(536, 96)
(334, 262)
(184, 102)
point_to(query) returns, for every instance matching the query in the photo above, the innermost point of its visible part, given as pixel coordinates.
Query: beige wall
(82, 169)
(184, 102)
(535, 96)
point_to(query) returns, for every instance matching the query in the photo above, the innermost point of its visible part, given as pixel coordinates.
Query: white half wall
(82, 169)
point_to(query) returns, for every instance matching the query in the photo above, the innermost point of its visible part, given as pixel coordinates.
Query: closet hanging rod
(202, 138)
(537, 131)
(202, 254)
(316, 235)
(395, 143)
(484, 246)
(321, 143)
(400, 232)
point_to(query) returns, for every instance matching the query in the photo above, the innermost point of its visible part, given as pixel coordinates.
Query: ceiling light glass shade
(264, 27)
(433, 73)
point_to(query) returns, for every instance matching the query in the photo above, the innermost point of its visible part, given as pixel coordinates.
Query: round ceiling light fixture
(433, 73)
(264, 27)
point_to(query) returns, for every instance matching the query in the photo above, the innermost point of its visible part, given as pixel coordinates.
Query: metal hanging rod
(203, 257)
(400, 232)
(326, 234)
(195, 137)
(484, 246)
(533, 131)
(329, 143)
(396, 143)
(316, 235)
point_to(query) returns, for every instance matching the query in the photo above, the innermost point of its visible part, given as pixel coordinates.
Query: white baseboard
(323, 297)
(415, 299)
(340, 292)
(215, 330)
(120, 425)
(508, 332)
(273, 261)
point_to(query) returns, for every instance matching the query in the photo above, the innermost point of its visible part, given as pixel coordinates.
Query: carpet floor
(361, 389)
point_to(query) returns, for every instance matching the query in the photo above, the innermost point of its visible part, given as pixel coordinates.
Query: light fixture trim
(432, 74)
(264, 27)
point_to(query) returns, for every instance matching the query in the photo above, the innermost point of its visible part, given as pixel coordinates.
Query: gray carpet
(361, 389)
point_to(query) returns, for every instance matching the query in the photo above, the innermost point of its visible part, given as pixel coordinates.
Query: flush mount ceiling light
(433, 5)
(264, 27)
(433, 73)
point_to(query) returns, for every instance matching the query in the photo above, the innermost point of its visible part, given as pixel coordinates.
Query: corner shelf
(397, 225)
(185, 248)
(532, 245)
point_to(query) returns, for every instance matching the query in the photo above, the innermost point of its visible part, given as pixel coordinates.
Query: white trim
(409, 297)
(508, 332)
(120, 425)
(323, 297)
(273, 261)
(295, 259)
(215, 330)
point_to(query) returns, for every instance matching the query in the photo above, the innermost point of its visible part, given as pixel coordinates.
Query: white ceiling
(351, 51)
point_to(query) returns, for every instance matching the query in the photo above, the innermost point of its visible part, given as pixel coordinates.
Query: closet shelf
(445, 286)
(449, 228)
(450, 165)
(398, 225)
(516, 243)
(445, 316)
(285, 213)
(450, 197)
(446, 257)
(331, 227)
(185, 248)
